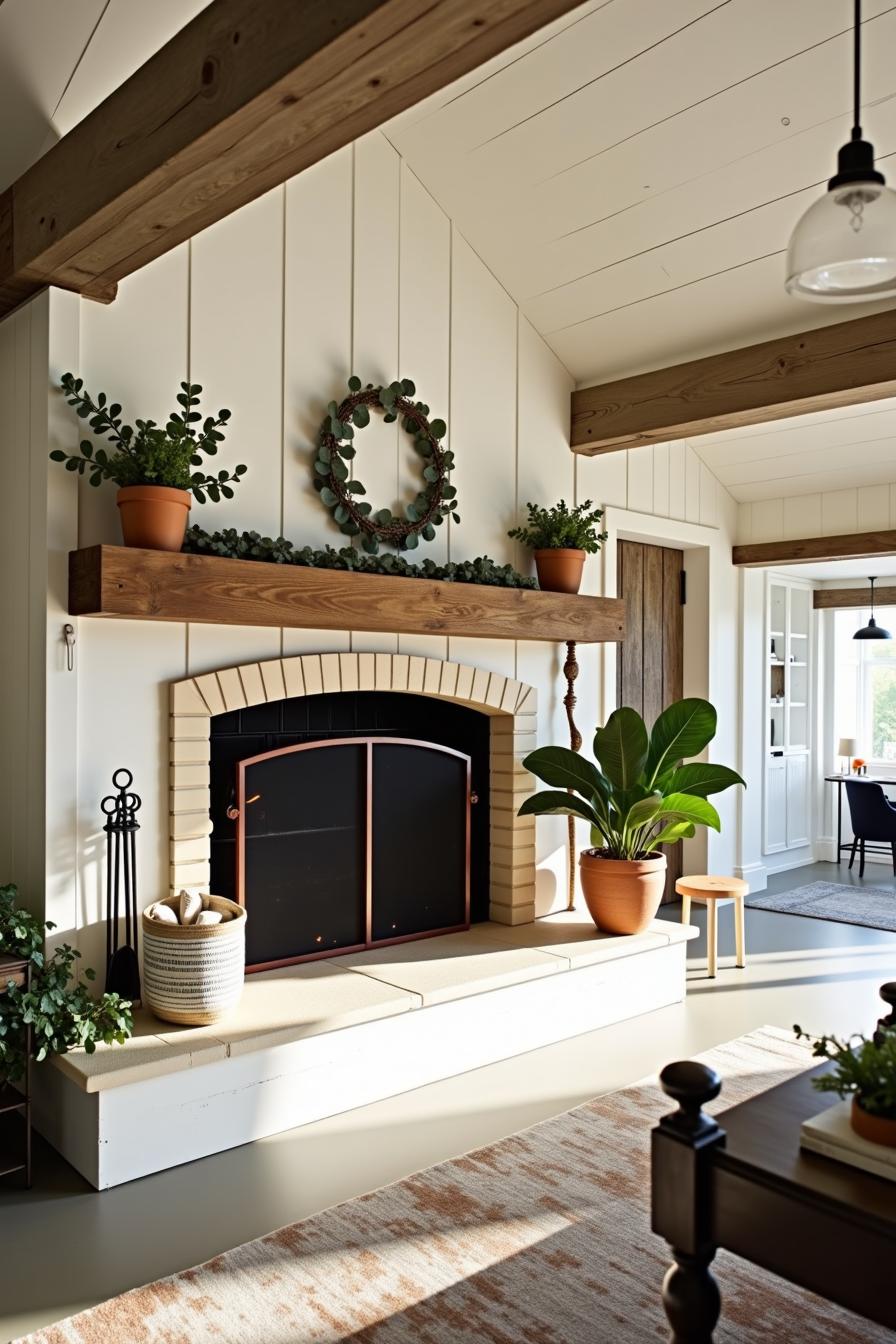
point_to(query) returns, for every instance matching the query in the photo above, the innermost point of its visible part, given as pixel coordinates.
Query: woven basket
(193, 975)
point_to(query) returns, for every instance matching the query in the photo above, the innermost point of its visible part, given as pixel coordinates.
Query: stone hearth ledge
(316, 997)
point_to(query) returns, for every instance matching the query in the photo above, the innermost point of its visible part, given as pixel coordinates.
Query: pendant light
(872, 630)
(843, 250)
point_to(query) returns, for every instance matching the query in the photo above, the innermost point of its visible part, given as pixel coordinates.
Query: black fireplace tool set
(120, 810)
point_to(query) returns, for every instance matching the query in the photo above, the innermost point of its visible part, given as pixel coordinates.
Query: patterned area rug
(543, 1238)
(873, 907)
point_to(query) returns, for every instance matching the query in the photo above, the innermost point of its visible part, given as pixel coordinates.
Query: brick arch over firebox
(511, 706)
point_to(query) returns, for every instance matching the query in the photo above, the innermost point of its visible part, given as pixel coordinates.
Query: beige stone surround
(511, 706)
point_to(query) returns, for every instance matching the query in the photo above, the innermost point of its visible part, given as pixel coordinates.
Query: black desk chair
(873, 819)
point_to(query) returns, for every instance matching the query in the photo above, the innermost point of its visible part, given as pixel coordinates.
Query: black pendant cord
(857, 73)
(872, 581)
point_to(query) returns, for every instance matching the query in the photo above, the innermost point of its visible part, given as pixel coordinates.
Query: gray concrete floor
(66, 1247)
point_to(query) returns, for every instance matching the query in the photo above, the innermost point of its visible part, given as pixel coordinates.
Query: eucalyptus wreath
(340, 489)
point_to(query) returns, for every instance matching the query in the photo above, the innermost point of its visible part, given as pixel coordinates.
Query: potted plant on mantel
(560, 538)
(151, 465)
(864, 1069)
(637, 797)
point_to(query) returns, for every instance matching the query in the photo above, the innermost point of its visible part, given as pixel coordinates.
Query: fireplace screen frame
(238, 814)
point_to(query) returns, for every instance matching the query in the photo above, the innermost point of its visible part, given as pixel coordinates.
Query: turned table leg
(682, 1147)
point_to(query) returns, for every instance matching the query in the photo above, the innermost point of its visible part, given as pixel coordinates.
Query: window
(865, 687)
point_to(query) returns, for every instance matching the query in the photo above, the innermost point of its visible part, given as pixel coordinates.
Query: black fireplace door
(349, 843)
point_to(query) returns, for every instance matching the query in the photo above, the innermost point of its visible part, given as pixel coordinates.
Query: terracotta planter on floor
(559, 570)
(622, 895)
(874, 1128)
(154, 517)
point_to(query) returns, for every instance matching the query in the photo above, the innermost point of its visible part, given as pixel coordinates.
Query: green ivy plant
(561, 528)
(863, 1067)
(251, 546)
(340, 488)
(61, 1013)
(639, 794)
(146, 453)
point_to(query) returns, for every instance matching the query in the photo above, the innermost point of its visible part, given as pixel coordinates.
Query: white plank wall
(351, 267)
(863, 508)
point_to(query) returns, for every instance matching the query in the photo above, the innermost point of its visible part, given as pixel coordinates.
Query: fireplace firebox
(349, 821)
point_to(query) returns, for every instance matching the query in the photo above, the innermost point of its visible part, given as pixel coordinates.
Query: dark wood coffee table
(742, 1183)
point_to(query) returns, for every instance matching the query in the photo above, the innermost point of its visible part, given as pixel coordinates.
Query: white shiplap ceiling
(827, 450)
(632, 173)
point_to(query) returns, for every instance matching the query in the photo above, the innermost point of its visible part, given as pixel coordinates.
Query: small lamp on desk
(847, 749)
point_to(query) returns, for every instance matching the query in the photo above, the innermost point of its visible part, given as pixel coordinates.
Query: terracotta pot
(622, 895)
(875, 1128)
(559, 570)
(154, 517)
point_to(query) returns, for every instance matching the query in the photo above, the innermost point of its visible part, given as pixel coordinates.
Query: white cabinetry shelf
(788, 651)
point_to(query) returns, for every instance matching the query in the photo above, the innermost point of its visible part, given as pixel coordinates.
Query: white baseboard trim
(754, 873)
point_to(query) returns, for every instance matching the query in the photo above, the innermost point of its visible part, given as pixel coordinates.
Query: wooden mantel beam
(838, 365)
(245, 96)
(799, 551)
(824, 599)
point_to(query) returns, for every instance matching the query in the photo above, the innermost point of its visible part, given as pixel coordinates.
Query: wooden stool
(713, 892)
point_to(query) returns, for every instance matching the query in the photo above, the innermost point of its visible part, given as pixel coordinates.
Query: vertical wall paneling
(136, 351)
(708, 488)
(236, 354)
(692, 465)
(801, 516)
(483, 416)
(603, 479)
(640, 479)
(677, 478)
(236, 334)
(54, 689)
(839, 512)
(317, 351)
(377, 229)
(424, 333)
(872, 508)
(317, 332)
(545, 470)
(767, 520)
(661, 479)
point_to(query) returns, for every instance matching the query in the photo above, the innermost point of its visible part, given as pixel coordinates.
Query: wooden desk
(15, 1147)
(744, 1184)
(840, 780)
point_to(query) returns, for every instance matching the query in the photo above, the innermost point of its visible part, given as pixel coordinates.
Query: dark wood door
(649, 666)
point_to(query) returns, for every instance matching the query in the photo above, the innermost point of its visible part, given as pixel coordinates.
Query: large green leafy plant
(61, 1012)
(150, 454)
(639, 794)
(863, 1067)
(561, 528)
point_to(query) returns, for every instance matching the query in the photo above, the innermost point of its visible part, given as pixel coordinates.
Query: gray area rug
(873, 907)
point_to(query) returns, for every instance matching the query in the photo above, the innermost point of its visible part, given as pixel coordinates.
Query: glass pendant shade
(843, 249)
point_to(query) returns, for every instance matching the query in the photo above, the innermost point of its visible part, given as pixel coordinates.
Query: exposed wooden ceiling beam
(851, 545)
(817, 370)
(826, 598)
(245, 96)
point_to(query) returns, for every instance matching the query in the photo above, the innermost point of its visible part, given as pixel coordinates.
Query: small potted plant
(152, 465)
(637, 797)
(60, 1010)
(864, 1069)
(560, 538)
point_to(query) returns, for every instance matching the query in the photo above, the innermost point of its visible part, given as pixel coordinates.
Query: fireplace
(461, 732)
(345, 821)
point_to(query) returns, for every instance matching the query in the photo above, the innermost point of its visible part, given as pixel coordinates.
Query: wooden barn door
(649, 667)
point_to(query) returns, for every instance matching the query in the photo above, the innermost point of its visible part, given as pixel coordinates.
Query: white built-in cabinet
(788, 717)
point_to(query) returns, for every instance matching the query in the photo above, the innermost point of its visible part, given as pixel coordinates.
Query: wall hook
(68, 634)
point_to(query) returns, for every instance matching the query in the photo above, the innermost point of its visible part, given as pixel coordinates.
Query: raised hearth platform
(316, 1039)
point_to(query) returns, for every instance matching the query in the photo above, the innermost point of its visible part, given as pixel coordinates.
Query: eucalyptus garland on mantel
(278, 551)
(340, 487)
